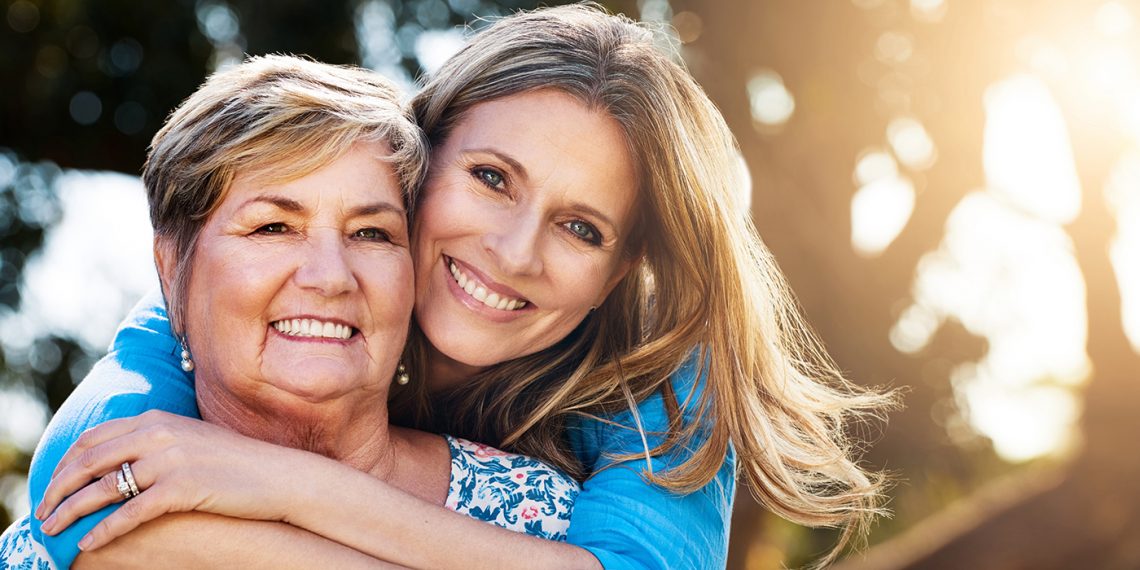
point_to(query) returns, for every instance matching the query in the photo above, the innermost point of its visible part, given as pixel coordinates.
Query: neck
(352, 430)
(444, 372)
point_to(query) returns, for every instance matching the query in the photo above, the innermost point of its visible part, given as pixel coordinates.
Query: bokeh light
(1123, 194)
(879, 211)
(1026, 152)
(771, 102)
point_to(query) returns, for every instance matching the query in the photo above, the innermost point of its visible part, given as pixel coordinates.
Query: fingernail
(40, 512)
(83, 544)
(49, 525)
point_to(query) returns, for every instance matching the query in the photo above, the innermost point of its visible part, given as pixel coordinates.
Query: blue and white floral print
(516, 492)
(19, 551)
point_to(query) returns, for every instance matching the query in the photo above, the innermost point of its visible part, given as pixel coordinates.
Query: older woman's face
(521, 226)
(302, 291)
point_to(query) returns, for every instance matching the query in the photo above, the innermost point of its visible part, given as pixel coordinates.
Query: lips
(481, 292)
(313, 328)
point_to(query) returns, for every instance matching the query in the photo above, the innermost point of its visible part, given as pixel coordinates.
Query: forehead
(361, 172)
(556, 138)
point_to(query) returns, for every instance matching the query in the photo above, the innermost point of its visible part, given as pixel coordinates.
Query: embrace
(523, 321)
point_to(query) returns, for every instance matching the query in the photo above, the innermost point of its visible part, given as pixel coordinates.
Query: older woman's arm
(203, 540)
(189, 465)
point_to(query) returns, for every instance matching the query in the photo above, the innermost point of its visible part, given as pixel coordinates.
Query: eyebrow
(377, 208)
(294, 207)
(514, 164)
(597, 214)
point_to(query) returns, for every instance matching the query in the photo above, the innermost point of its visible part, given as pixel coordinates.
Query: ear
(165, 263)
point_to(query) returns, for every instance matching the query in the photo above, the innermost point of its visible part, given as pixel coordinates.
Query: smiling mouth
(313, 328)
(478, 290)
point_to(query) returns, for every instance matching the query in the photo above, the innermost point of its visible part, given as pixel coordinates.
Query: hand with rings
(163, 463)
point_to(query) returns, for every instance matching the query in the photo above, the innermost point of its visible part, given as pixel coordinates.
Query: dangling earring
(402, 377)
(187, 363)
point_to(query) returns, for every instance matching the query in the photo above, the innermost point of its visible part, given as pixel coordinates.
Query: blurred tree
(1084, 515)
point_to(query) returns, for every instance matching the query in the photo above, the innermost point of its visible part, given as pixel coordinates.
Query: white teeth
(313, 328)
(479, 292)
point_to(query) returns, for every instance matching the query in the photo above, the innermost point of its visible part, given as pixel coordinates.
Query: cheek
(231, 285)
(581, 284)
(390, 288)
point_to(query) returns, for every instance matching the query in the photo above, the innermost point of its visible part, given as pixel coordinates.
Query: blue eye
(584, 232)
(492, 178)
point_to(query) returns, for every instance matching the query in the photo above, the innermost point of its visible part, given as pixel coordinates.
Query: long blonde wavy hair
(703, 283)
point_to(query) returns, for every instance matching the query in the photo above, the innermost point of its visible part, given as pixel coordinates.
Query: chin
(316, 387)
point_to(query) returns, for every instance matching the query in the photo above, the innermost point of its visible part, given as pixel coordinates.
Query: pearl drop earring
(187, 362)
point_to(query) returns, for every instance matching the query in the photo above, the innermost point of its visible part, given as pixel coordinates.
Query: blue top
(625, 522)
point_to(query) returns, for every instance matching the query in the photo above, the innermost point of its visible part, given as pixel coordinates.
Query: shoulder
(516, 492)
(620, 433)
(140, 373)
(626, 521)
(146, 328)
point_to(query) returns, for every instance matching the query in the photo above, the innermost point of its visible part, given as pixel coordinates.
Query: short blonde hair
(705, 287)
(282, 112)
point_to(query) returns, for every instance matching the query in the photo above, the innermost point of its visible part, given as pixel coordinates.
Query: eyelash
(264, 230)
(382, 235)
(278, 228)
(596, 236)
(478, 173)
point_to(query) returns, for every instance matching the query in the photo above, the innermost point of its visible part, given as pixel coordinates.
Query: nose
(515, 242)
(324, 265)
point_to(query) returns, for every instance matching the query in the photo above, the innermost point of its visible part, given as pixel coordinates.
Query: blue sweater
(622, 520)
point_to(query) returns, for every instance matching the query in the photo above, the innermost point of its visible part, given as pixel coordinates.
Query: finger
(100, 493)
(103, 458)
(95, 436)
(145, 507)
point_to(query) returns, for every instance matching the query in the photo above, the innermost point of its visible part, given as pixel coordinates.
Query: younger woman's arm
(135, 376)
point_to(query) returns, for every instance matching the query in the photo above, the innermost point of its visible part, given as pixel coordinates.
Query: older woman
(585, 277)
(278, 195)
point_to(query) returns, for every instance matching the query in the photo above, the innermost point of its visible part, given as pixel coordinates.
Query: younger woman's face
(521, 228)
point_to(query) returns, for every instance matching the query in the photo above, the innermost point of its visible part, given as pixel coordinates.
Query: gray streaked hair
(281, 116)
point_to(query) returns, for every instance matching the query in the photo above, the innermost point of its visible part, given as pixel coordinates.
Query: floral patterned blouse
(515, 492)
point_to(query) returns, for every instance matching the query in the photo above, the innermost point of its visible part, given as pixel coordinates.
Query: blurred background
(951, 186)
